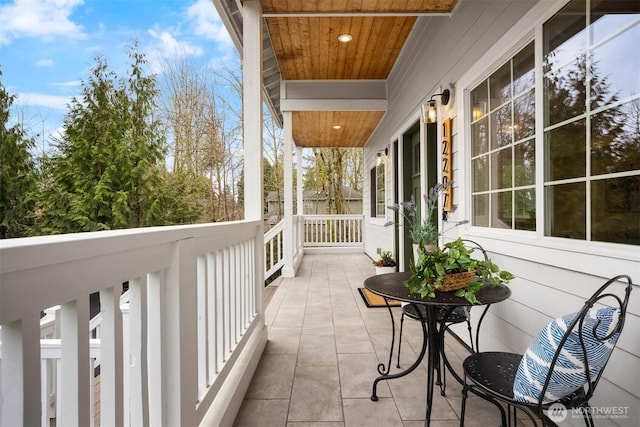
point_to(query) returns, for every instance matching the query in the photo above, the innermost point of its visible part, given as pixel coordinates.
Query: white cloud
(167, 46)
(43, 100)
(70, 83)
(45, 63)
(207, 22)
(47, 19)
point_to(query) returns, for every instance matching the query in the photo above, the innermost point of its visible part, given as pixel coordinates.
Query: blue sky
(48, 46)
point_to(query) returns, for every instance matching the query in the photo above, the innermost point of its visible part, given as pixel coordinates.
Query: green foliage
(17, 174)
(432, 267)
(108, 172)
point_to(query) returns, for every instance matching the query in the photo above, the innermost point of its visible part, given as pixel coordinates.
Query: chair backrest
(590, 337)
(472, 244)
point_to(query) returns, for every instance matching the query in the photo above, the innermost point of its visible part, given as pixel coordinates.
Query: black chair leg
(400, 339)
(464, 403)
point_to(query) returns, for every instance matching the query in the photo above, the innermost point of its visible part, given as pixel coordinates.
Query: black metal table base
(384, 370)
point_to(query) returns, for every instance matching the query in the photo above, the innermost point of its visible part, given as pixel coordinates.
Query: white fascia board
(333, 105)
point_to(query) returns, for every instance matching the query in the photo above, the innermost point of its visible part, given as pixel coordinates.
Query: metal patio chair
(562, 366)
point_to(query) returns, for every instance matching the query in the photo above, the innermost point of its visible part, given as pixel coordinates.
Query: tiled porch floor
(323, 350)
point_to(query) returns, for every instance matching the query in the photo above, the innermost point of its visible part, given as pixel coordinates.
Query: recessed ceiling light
(336, 127)
(345, 38)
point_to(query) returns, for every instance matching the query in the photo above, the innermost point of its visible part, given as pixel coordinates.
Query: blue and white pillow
(569, 373)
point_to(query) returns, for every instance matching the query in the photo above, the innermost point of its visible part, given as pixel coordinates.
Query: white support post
(20, 373)
(300, 183)
(111, 382)
(252, 107)
(76, 386)
(288, 269)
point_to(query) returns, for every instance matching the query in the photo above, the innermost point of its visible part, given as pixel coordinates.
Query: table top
(390, 285)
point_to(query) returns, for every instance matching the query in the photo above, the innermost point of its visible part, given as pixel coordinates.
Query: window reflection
(565, 218)
(565, 147)
(615, 139)
(524, 163)
(592, 121)
(615, 210)
(525, 209)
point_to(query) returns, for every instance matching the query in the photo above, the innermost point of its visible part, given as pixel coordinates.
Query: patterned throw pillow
(569, 373)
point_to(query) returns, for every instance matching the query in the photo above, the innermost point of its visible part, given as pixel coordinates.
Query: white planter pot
(385, 270)
(416, 252)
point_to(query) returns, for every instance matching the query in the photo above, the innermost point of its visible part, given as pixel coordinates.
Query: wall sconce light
(383, 152)
(429, 111)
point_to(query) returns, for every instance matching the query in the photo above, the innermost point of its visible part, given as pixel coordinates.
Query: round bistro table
(390, 286)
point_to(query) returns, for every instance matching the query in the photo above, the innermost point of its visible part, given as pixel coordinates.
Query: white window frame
(527, 29)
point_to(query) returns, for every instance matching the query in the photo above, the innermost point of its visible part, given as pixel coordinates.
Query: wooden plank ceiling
(304, 36)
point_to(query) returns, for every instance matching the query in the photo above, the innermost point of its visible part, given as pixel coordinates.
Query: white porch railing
(195, 326)
(333, 231)
(273, 249)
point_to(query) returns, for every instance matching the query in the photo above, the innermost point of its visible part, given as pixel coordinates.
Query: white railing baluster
(220, 310)
(111, 358)
(20, 371)
(74, 399)
(138, 352)
(201, 283)
(155, 316)
(211, 318)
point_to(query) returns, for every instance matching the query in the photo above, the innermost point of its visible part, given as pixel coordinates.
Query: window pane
(524, 115)
(380, 196)
(615, 210)
(480, 101)
(607, 17)
(523, 70)
(564, 35)
(502, 210)
(500, 86)
(481, 210)
(565, 148)
(480, 174)
(615, 139)
(525, 206)
(565, 210)
(501, 127)
(501, 172)
(525, 163)
(480, 143)
(565, 92)
(615, 71)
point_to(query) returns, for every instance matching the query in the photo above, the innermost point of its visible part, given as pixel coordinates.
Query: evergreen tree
(17, 173)
(109, 172)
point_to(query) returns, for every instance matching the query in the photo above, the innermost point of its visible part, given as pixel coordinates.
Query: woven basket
(456, 281)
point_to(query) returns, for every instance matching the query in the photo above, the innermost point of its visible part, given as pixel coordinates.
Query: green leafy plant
(431, 269)
(386, 260)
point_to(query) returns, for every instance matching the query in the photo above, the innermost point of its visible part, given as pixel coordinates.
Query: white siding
(553, 276)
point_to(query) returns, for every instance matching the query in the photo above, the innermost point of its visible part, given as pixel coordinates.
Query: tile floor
(322, 354)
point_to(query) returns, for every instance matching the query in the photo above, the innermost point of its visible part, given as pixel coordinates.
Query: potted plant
(386, 263)
(453, 269)
(424, 233)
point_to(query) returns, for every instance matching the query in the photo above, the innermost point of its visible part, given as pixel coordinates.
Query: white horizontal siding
(553, 276)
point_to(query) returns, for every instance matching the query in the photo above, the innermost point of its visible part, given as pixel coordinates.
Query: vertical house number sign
(447, 163)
